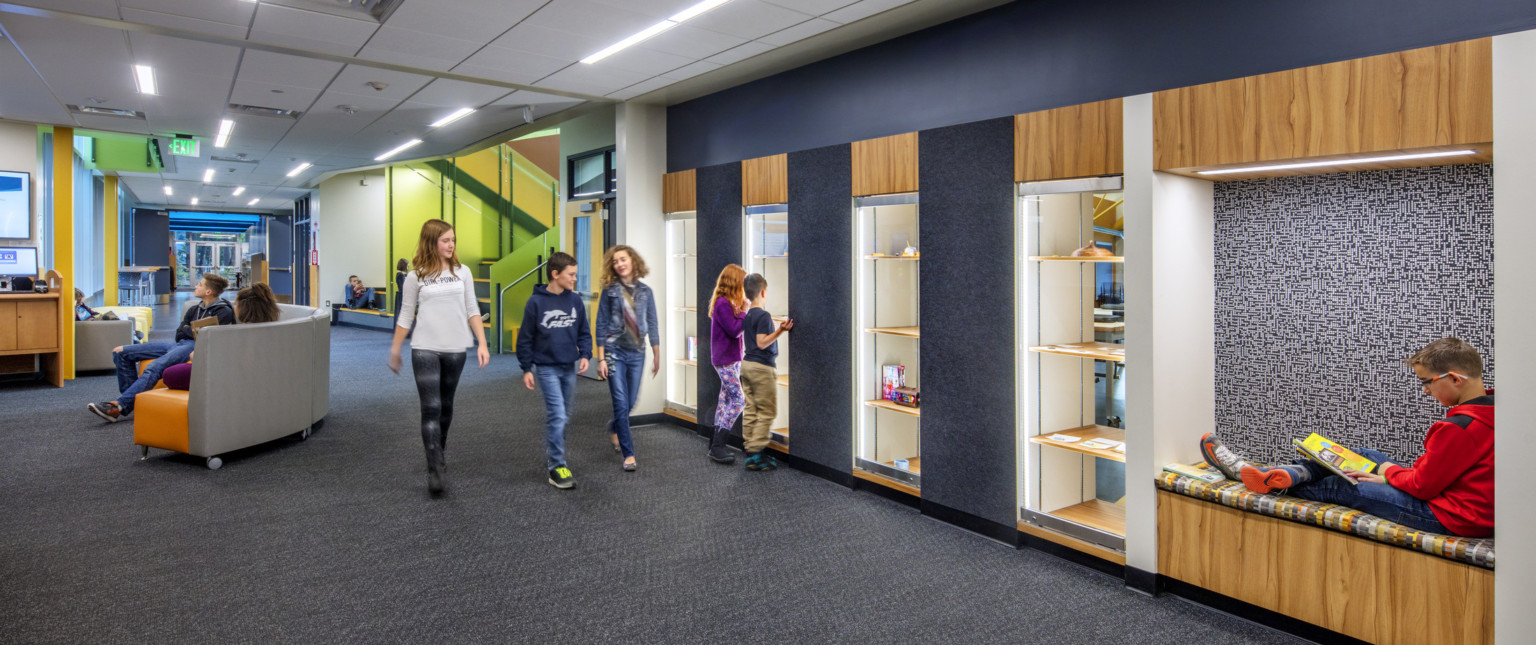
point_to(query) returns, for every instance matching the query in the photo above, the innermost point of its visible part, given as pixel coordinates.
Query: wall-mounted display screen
(15, 205)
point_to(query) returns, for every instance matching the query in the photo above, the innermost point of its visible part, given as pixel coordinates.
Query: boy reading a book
(1447, 490)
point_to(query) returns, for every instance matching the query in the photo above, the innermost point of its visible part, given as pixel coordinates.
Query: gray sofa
(95, 340)
(250, 384)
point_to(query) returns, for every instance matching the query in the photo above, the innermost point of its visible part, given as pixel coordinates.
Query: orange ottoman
(160, 420)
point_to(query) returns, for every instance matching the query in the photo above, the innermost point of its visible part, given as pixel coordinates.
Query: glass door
(214, 257)
(681, 346)
(586, 222)
(767, 253)
(887, 440)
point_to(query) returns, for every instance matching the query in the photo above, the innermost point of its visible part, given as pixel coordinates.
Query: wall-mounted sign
(184, 147)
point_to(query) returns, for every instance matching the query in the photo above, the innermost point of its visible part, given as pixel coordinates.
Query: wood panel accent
(37, 324)
(1369, 590)
(679, 191)
(1097, 513)
(1075, 141)
(8, 326)
(765, 180)
(1073, 543)
(885, 166)
(1420, 99)
(32, 323)
(887, 482)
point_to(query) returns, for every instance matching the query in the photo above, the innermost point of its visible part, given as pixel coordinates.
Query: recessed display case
(1071, 330)
(766, 242)
(887, 257)
(680, 348)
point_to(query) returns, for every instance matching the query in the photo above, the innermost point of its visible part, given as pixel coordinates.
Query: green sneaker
(562, 478)
(755, 461)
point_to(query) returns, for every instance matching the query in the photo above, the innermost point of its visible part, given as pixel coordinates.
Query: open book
(1330, 455)
(199, 324)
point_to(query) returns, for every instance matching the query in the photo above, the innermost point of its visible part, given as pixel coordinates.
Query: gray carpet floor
(336, 539)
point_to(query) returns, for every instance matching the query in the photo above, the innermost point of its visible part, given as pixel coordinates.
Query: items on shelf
(693, 348)
(1092, 251)
(893, 376)
(1207, 476)
(907, 397)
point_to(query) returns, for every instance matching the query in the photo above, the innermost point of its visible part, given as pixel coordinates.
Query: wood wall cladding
(765, 180)
(1420, 98)
(679, 192)
(1372, 591)
(1075, 141)
(886, 165)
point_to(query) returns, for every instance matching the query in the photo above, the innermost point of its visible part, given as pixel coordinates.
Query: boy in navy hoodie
(553, 345)
(1448, 489)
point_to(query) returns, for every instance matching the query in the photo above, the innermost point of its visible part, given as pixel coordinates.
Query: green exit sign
(184, 147)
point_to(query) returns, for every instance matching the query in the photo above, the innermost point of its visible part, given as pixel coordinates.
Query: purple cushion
(178, 377)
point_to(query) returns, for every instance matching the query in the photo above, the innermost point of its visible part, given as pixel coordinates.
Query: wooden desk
(30, 324)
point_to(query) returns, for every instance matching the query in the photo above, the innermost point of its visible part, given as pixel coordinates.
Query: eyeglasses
(1426, 382)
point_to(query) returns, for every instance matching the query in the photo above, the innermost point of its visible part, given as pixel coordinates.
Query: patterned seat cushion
(1474, 551)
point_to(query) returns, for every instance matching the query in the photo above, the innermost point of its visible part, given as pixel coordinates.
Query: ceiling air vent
(101, 111)
(376, 10)
(232, 160)
(256, 110)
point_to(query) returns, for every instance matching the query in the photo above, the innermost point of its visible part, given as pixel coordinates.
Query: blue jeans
(130, 382)
(558, 385)
(625, 372)
(1382, 500)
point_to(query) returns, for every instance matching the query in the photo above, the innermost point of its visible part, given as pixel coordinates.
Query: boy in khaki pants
(759, 379)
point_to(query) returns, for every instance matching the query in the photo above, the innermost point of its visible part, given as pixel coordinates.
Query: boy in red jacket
(1447, 490)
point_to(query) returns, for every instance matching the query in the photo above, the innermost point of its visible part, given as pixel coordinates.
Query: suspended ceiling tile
(112, 123)
(554, 43)
(812, 7)
(77, 61)
(510, 65)
(477, 20)
(454, 94)
(741, 53)
(418, 49)
(692, 70)
(26, 98)
(273, 95)
(748, 19)
(644, 61)
(691, 42)
(862, 10)
(608, 24)
(642, 87)
(799, 32)
(311, 30)
(543, 104)
(656, 9)
(355, 78)
(187, 24)
(175, 57)
(590, 79)
(282, 69)
(229, 13)
(98, 8)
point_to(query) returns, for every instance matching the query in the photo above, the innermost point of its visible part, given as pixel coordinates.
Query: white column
(640, 132)
(1170, 325)
(1514, 225)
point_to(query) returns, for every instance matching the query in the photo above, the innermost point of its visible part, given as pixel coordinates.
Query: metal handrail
(501, 298)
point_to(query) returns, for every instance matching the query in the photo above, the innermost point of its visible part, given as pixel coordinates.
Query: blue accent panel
(245, 220)
(152, 246)
(821, 299)
(965, 229)
(1029, 56)
(719, 243)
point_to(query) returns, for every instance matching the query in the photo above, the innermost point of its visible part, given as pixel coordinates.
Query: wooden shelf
(887, 405)
(784, 381)
(684, 361)
(1095, 513)
(679, 415)
(1083, 434)
(909, 332)
(887, 482)
(1064, 258)
(1096, 550)
(1094, 350)
(881, 256)
(778, 447)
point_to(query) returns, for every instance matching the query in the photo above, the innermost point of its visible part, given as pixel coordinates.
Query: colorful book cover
(693, 348)
(1207, 476)
(1331, 455)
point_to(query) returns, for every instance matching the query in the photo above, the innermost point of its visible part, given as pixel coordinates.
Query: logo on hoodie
(556, 319)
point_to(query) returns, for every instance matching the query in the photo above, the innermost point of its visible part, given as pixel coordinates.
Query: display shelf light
(1338, 162)
(651, 31)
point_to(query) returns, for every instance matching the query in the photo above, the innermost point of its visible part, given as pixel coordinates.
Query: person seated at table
(130, 382)
(254, 304)
(82, 312)
(358, 296)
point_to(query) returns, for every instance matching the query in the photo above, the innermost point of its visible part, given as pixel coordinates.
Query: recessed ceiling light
(457, 114)
(253, 202)
(238, 190)
(208, 175)
(226, 127)
(299, 168)
(194, 201)
(399, 149)
(167, 189)
(1337, 162)
(145, 76)
(648, 32)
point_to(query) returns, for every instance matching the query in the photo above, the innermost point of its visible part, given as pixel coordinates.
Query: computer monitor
(18, 261)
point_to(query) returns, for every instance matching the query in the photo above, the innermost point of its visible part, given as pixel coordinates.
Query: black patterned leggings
(437, 377)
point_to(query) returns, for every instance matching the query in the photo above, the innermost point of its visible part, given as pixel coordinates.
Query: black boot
(435, 462)
(718, 451)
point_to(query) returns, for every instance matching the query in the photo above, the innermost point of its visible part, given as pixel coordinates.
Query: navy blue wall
(719, 244)
(1029, 56)
(152, 245)
(965, 231)
(820, 290)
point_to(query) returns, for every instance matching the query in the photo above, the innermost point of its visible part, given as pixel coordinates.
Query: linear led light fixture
(1338, 162)
(194, 201)
(144, 75)
(253, 202)
(167, 190)
(226, 127)
(238, 190)
(299, 168)
(653, 30)
(399, 149)
(208, 175)
(457, 114)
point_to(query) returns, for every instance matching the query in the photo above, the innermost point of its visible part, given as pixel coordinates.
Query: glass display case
(888, 440)
(1071, 331)
(681, 346)
(766, 241)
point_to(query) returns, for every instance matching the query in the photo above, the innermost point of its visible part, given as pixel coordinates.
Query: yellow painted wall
(64, 242)
(110, 240)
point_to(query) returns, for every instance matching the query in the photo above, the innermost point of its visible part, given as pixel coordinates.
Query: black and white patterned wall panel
(1324, 284)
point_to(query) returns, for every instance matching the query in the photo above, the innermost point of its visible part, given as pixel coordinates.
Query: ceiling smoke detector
(378, 86)
(349, 109)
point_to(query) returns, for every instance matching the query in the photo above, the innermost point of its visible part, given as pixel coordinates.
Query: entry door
(215, 257)
(585, 242)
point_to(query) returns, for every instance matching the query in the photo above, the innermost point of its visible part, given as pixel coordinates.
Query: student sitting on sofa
(82, 311)
(254, 304)
(358, 296)
(127, 358)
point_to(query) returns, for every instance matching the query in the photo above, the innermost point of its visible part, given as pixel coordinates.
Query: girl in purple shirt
(727, 309)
